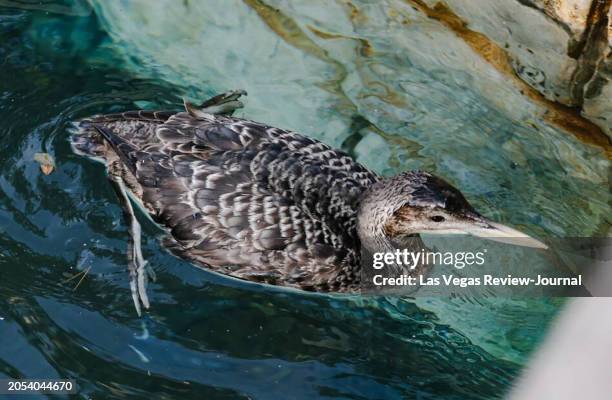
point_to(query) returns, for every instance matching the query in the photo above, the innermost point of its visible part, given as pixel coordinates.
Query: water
(364, 80)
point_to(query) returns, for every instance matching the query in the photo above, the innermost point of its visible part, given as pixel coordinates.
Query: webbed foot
(224, 103)
(137, 266)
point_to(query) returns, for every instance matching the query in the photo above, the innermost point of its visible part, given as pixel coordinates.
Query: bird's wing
(252, 200)
(135, 127)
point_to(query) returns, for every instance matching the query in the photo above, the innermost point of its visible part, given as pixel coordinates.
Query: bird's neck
(376, 208)
(370, 229)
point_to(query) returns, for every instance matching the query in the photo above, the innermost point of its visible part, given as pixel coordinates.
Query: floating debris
(84, 258)
(82, 274)
(82, 277)
(47, 164)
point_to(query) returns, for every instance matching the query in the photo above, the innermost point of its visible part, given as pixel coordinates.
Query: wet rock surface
(559, 47)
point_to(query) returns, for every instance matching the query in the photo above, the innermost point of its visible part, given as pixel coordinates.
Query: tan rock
(559, 47)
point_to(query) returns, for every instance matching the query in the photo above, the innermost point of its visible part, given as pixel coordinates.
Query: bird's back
(240, 197)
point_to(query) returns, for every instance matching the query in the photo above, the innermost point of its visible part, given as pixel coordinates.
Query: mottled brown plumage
(240, 197)
(256, 202)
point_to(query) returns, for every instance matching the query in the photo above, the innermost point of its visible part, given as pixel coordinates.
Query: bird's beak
(490, 230)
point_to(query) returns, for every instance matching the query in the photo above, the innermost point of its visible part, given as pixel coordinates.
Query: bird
(264, 204)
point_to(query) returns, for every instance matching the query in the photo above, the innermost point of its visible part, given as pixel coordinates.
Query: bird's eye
(437, 218)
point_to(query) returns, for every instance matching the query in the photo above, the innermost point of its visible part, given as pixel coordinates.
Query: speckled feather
(240, 197)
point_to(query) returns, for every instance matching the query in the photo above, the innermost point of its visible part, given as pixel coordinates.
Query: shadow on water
(206, 336)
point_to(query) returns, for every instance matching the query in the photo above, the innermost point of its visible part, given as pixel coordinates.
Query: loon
(265, 204)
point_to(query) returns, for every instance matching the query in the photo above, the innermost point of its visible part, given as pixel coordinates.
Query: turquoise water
(411, 103)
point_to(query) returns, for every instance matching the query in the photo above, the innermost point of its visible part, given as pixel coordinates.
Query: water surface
(368, 84)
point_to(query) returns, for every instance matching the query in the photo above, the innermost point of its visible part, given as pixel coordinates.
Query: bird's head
(417, 202)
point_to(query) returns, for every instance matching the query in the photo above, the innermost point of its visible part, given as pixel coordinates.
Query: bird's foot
(224, 103)
(137, 266)
(140, 272)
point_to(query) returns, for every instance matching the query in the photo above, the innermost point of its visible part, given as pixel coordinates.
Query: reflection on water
(368, 79)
